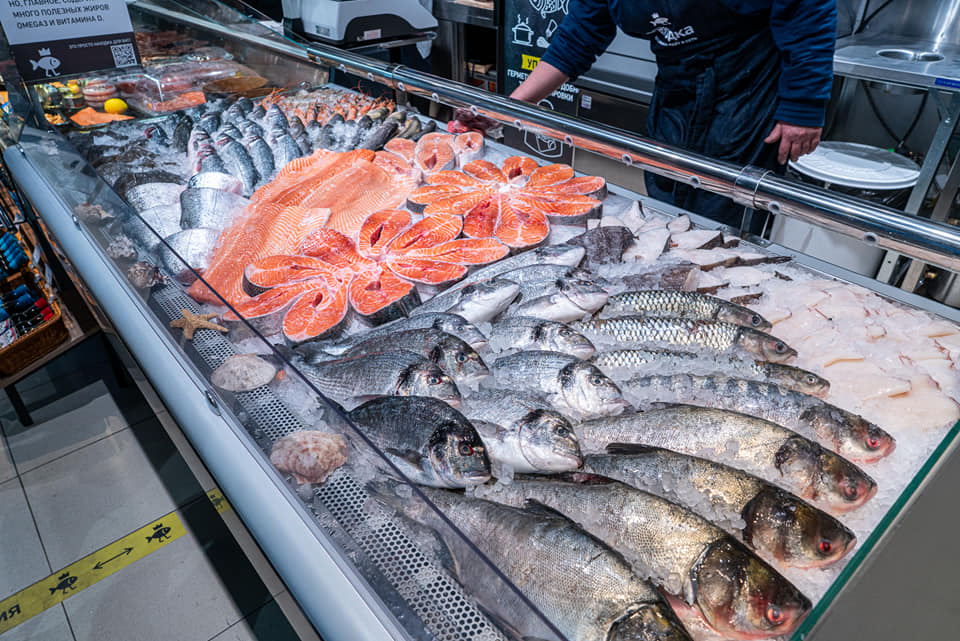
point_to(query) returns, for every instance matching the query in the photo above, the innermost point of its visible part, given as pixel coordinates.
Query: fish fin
(535, 507)
(505, 626)
(410, 456)
(485, 428)
(584, 478)
(631, 448)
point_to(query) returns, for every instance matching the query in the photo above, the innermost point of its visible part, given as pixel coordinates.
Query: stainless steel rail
(919, 238)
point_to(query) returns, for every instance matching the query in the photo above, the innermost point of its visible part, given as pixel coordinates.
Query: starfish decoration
(191, 322)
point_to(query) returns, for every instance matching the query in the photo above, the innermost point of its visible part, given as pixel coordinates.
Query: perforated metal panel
(428, 591)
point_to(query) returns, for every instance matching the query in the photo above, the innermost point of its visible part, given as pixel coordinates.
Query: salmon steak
(514, 202)
(325, 189)
(374, 275)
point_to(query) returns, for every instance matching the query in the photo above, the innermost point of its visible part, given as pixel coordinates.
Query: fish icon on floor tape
(81, 574)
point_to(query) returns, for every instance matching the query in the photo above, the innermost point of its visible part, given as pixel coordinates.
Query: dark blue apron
(715, 93)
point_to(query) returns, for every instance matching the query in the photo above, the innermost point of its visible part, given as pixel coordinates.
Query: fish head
(457, 357)
(484, 300)
(767, 347)
(744, 317)
(548, 443)
(824, 476)
(458, 456)
(584, 293)
(569, 341)
(853, 436)
(795, 533)
(741, 597)
(801, 380)
(462, 329)
(652, 622)
(563, 254)
(426, 379)
(589, 391)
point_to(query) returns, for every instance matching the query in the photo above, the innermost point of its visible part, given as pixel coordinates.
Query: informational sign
(52, 38)
(528, 27)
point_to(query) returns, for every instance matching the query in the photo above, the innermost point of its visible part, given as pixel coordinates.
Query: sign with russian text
(528, 27)
(53, 38)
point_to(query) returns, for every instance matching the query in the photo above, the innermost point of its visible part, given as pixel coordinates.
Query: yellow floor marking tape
(113, 557)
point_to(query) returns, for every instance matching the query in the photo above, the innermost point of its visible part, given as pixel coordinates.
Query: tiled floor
(100, 461)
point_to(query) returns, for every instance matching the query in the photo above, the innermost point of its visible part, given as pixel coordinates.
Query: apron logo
(666, 36)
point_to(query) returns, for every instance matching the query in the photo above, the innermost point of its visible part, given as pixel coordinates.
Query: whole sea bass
(523, 432)
(350, 381)
(457, 359)
(571, 385)
(777, 524)
(680, 332)
(528, 333)
(726, 585)
(622, 364)
(751, 444)
(449, 323)
(848, 434)
(560, 299)
(429, 441)
(583, 588)
(478, 303)
(669, 303)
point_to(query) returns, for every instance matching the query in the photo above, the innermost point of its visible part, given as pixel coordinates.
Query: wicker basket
(37, 343)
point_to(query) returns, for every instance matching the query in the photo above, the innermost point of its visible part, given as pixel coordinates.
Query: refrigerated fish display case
(245, 247)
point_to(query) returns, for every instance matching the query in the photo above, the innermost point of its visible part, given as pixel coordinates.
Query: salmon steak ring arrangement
(514, 202)
(308, 295)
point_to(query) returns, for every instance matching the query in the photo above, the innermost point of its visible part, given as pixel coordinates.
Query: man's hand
(795, 141)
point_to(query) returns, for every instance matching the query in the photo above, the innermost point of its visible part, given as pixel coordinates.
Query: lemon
(114, 106)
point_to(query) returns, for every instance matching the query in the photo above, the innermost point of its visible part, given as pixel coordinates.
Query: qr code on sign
(123, 55)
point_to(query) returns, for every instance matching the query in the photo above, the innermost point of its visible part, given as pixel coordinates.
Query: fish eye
(755, 320)
(562, 431)
(566, 331)
(775, 615)
(465, 449)
(851, 492)
(780, 347)
(873, 442)
(433, 379)
(461, 358)
(825, 546)
(596, 381)
(811, 379)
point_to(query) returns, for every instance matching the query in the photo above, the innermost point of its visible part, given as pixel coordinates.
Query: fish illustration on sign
(66, 583)
(48, 63)
(546, 7)
(160, 532)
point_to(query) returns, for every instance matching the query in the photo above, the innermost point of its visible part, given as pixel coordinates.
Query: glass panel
(402, 562)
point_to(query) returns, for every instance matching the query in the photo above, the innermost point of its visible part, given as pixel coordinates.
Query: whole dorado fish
(560, 299)
(527, 333)
(477, 303)
(669, 303)
(523, 432)
(563, 254)
(773, 522)
(726, 585)
(751, 444)
(429, 441)
(457, 359)
(848, 434)
(617, 365)
(681, 332)
(449, 323)
(586, 590)
(570, 384)
(350, 381)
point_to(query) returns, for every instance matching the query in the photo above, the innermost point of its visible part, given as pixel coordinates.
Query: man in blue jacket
(745, 81)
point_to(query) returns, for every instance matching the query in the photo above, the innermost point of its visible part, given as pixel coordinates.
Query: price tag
(52, 38)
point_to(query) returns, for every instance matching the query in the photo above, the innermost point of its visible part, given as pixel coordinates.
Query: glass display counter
(358, 568)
